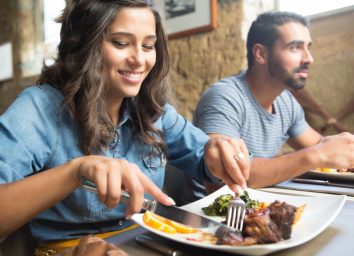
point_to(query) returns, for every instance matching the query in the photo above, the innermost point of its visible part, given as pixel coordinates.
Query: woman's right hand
(112, 175)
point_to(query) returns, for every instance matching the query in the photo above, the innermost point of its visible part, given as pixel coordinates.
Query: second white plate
(344, 176)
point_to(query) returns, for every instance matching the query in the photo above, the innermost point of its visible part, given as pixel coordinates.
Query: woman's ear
(260, 53)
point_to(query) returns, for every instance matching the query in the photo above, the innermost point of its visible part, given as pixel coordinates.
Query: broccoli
(250, 203)
(221, 203)
(219, 206)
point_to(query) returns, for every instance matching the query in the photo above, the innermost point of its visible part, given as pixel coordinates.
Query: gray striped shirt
(229, 108)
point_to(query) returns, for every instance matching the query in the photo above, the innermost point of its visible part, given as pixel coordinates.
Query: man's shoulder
(230, 85)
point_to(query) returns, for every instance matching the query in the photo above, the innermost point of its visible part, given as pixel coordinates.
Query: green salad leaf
(221, 203)
(219, 206)
(250, 203)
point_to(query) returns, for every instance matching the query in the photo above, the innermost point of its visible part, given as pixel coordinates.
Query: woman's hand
(112, 175)
(228, 159)
(93, 246)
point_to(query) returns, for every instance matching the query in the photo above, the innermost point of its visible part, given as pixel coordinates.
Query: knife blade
(171, 212)
(322, 182)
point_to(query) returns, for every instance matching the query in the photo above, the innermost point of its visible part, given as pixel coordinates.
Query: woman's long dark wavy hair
(78, 73)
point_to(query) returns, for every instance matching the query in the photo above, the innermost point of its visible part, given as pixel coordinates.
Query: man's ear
(260, 53)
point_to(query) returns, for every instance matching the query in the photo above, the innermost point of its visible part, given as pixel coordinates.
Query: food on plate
(160, 223)
(333, 170)
(267, 225)
(219, 206)
(221, 203)
(264, 222)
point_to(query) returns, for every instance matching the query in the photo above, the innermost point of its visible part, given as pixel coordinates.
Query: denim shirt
(37, 133)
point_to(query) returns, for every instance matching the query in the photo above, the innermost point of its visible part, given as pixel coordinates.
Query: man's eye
(120, 44)
(295, 47)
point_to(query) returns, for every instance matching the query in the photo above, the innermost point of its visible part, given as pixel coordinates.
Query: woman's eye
(120, 44)
(149, 46)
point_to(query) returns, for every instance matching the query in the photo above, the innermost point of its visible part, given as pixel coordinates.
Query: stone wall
(331, 77)
(202, 59)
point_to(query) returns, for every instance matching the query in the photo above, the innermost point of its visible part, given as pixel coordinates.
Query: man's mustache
(304, 67)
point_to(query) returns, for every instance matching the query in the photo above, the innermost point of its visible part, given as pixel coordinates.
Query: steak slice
(260, 226)
(228, 236)
(283, 215)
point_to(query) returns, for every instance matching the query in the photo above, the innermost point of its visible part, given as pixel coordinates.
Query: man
(257, 107)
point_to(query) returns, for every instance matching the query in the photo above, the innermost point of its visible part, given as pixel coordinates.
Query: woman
(101, 112)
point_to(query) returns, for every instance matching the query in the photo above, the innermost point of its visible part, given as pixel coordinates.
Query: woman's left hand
(228, 160)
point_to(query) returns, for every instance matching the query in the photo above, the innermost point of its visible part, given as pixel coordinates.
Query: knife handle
(90, 186)
(152, 244)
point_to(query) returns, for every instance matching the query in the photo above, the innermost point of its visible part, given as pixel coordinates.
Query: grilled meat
(268, 225)
(283, 215)
(228, 236)
(260, 226)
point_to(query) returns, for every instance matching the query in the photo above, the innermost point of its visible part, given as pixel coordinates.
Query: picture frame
(186, 17)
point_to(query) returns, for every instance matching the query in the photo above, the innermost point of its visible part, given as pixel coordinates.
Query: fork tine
(242, 217)
(236, 213)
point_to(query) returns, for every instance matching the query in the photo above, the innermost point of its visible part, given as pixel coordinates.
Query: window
(52, 9)
(311, 7)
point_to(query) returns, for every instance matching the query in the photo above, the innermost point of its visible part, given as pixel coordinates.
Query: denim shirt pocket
(154, 168)
(154, 164)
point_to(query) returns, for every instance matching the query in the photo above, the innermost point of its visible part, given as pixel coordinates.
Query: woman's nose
(136, 57)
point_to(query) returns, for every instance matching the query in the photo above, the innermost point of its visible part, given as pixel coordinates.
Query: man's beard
(276, 71)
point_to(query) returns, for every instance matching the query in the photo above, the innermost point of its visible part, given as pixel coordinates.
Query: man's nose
(307, 57)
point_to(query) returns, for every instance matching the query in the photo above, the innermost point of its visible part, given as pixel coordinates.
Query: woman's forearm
(26, 198)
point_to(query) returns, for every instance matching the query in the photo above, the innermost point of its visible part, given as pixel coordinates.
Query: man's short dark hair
(264, 30)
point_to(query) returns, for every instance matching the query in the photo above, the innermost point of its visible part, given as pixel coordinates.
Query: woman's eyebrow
(131, 35)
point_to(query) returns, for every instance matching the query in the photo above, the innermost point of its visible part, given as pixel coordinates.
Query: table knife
(171, 212)
(322, 182)
(153, 244)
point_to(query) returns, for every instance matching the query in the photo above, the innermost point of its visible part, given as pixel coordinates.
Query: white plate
(344, 176)
(317, 216)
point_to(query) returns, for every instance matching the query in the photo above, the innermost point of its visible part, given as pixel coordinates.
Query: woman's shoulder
(34, 99)
(44, 93)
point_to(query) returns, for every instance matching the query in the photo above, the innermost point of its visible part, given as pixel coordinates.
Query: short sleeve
(27, 134)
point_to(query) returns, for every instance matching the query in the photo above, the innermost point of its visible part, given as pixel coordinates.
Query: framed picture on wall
(186, 17)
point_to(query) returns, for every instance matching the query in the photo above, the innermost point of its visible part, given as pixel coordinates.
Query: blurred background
(29, 36)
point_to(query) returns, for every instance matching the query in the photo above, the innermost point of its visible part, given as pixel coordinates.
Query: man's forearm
(268, 171)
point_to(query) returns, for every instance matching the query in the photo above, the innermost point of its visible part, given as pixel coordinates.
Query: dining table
(336, 239)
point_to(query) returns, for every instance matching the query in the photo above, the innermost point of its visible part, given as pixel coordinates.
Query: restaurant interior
(201, 55)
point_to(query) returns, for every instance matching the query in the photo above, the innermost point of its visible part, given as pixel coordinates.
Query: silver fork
(236, 213)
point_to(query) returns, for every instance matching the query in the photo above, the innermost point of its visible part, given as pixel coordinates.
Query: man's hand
(336, 151)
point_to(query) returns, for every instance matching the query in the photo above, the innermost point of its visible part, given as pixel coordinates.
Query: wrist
(313, 157)
(75, 171)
